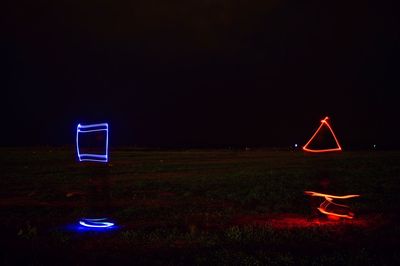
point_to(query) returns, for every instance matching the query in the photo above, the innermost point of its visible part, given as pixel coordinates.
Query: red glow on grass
(333, 210)
(333, 217)
(324, 122)
(293, 221)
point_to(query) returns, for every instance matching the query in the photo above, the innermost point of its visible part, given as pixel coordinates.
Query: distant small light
(295, 145)
(374, 146)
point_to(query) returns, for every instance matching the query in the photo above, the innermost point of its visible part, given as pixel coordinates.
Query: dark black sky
(200, 73)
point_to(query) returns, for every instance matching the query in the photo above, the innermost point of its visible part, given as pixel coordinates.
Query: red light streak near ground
(323, 122)
(323, 207)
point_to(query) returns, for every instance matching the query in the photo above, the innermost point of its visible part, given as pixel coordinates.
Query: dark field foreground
(198, 207)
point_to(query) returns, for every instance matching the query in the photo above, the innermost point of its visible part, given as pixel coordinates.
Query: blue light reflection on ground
(76, 227)
(96, 222)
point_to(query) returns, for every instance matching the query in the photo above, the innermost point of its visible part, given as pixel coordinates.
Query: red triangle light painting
(325, 123)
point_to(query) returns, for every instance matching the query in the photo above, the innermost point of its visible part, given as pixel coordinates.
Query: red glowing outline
(323, 122)
(329, 200)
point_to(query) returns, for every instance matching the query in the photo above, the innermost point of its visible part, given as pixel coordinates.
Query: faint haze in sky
(200, 73)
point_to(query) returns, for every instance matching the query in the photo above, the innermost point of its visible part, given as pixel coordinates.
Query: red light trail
(324, 122)
(323, 207)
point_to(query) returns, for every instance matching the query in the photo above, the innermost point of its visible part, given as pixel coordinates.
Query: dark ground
(207, 207)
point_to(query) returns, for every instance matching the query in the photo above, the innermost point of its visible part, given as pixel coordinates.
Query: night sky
(210, 73)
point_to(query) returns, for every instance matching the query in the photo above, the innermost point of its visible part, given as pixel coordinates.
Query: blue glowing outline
(88, 129)
(96, 223)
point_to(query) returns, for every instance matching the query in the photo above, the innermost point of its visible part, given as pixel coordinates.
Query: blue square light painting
(92, 133)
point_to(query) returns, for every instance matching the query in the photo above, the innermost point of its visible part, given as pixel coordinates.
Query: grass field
(202, 207)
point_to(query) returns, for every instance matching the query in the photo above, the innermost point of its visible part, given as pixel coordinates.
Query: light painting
(324, 122)
(87, 129)
(330, 208)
